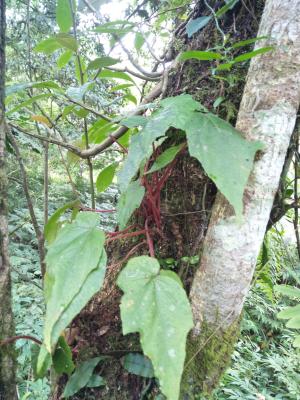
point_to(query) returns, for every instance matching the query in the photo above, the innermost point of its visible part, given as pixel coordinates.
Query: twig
(15, 338)
(38, 232)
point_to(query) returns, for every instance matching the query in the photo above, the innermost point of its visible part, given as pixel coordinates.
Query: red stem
(96, 210)
(149, 240)
(15, 338)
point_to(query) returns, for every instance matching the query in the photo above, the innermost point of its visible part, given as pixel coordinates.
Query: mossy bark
(208, 357)
(7, 353)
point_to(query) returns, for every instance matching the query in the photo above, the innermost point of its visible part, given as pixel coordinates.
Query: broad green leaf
(224, 9)
(195, 25)
(246, 42)
(100, 130)
(107, 74)
(28, 102)
(119, 27)
(131, 97)
(64, 17)
(48, 46)
(251, 54)
(96, 381)
(165, 158)
(134, 121)
(157, 307)
(129, 201)
(173, 112)
(52, 226)
(78, 92)
(102, 62)
(64, 58)
(81, 376)
(76, 263)
(138, 41)
(138, 364)
(121, 87)
(224, 154)
(62, 358)
(294, 323)
(289, 312)
(106, 177)
(199, 55)
(287, 290)
(18, 87)
(67, 41)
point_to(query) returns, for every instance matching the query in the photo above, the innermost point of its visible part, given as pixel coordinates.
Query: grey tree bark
(267, 113)
(7, 354)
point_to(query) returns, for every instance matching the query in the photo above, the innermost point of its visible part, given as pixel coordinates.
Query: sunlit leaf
(251, 54)
(199, 55)
(64, 58)
(67, 41)
(102, 62)
(107, 74)
(52, 226)
(106, 177)
(287, 290)
(64, 15)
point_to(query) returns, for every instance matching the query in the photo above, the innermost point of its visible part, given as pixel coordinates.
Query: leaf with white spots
(156, 305)
(76, 263)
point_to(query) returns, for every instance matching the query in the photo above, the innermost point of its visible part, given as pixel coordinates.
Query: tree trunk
(7, 353)
(267, 113)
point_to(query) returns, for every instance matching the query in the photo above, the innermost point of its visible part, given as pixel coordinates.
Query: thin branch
(39, 234)
(136, 65)
(136, 74)
(86, 107)
(67, 146)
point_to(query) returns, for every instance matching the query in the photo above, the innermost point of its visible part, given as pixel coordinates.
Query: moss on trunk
(208, 357)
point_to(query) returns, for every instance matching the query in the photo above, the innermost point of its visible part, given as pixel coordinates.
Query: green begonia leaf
(173, 112)
(76, 263)
(224, 154)
(289, 312)
(156, 306)
(128, 202)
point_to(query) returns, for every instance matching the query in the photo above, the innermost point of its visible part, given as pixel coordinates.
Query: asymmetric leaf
(156, 306)
(224, 154)
(76, 264)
